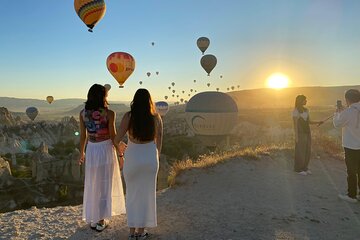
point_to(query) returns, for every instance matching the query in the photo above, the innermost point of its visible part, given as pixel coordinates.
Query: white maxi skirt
(103, 191)
(140, 172)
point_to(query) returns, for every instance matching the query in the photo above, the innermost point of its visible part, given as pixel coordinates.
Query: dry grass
(207, 161)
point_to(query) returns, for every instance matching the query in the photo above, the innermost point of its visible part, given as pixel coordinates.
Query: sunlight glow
(277, 81)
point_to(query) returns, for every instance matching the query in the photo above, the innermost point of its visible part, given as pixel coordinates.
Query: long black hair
(96, 98)
(142, 118)
(299, 103)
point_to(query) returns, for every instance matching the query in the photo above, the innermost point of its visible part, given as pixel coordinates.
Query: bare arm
(159, 133)
(83, 140)
(124, 126)
(112, 130)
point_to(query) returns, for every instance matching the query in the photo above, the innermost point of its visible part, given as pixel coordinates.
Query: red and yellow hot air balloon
(121, 65)
(90, 11)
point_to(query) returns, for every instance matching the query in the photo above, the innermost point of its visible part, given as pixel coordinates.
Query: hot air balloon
(32, 112)
(228, 89)
(121, 65)
(189, 94)
(157, 73)
(166, 97)
(191, 90)
(172, 84)
(221, 76)
(183, 92)
(90, 11)
(211, 115)
(186, 101)
(181, 100)
(208, 84)
(177, 96)
(203, 43)
(173, 91)
(217, 89)
(173, 95)
(169, 88)
(162, 108)
(232, 87)
(148, 74)
(208, 62)
(107, 87)
(238, 86)
(195, 90)
(152, 43)
(140, 82)
(49, 99)
(194, 81)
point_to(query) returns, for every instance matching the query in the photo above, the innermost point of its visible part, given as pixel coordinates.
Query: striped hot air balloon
(90, 11)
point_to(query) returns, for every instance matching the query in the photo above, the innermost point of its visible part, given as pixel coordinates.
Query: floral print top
(96, 123)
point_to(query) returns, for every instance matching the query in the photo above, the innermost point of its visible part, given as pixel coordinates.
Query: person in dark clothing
(302, 129)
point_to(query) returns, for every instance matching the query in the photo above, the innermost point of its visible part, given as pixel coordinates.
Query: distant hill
(285, 98)
(20, 104)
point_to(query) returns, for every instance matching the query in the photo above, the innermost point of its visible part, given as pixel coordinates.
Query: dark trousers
(302, 152)
(352, 159)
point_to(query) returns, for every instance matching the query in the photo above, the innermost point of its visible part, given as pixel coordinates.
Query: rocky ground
(239, 199)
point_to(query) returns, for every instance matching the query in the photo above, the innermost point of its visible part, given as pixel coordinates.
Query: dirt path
(240, 199)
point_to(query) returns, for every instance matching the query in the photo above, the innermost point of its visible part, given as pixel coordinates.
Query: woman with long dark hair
(144, 128)
(103, 191)
(302, 123)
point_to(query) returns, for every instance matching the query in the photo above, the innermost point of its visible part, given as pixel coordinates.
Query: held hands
(82, 159)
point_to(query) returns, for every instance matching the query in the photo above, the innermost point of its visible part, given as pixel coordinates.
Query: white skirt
(140, 172)
(103, 191)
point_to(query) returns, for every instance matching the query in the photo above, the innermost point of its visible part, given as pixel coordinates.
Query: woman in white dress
(301, 118)
(144, 128)
(103, 191)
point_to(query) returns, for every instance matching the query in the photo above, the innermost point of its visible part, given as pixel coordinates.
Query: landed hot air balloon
(211, 115)
(32, 112)
(208, 62)
(166, 97)
(107, 87)
(172, 84)
(49, 99)
(203, 43)
(90, 11)
(140, 82)
(121, 65)
(208, 84)
(162, 108)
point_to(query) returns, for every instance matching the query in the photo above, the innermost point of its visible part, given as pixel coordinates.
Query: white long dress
(103, 192)
(141, 166)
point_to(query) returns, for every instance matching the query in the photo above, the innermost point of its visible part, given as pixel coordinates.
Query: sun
(277, 81)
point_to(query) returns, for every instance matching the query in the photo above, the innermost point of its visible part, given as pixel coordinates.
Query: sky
(45, 49)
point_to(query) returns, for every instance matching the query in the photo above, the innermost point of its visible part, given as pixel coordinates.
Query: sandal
(93, 226)
(132, 237)
(143, 236)
(100, 227)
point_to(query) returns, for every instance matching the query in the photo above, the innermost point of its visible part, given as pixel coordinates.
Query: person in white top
(302, 123)
(349, 120)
